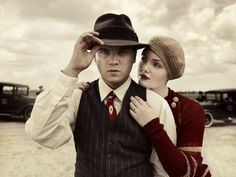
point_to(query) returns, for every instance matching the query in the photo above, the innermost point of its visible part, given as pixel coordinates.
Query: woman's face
(152, 72)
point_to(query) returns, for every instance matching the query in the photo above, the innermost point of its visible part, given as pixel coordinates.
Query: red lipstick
(144, 77)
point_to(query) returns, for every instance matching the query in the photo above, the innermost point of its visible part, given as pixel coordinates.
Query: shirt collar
(104, 89)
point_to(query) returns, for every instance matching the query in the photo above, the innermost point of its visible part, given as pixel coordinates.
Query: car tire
(27, 113)
(209, 119)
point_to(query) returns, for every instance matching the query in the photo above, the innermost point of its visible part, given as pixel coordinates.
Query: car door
(231, 104)
(7, 99)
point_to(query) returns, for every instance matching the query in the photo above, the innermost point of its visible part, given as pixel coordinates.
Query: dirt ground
(21, 157)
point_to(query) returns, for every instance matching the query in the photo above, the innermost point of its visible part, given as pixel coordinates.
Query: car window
(211, 96)
(22, 91)
(218, 97)
(233, 97)
(225, 96)
(7, 90)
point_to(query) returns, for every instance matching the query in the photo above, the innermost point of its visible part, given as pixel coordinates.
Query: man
(108, 141)
(201, 97)
(39, 90)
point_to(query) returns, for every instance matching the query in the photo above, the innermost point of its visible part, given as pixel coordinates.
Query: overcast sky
(37, 37)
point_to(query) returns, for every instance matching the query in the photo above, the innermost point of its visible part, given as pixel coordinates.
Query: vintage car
(15, 100)
(219, 105)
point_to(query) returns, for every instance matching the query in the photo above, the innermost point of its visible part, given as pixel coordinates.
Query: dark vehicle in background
(219, 105)
(15, 100)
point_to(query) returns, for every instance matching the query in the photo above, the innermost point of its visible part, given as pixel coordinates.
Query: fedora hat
(117, 30)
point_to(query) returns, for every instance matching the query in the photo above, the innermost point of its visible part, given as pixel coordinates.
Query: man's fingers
(94, 50)
(97, 40)
(89, 34)
(91, 38)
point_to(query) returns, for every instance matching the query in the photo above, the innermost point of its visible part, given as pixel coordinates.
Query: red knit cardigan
(184, 158)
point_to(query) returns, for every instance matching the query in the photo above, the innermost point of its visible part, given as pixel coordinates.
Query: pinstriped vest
(105, 149)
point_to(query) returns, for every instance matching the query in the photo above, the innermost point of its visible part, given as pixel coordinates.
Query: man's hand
(82, 58)
(141, 111)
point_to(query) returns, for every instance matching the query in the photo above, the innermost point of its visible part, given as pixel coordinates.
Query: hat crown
(117, 30)
(113, 21)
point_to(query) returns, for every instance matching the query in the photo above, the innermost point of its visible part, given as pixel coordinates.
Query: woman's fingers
(135, 105)
(140, 100)
(132, 106)
(132, 113)
(141, 111)
(137, 101)
(83, 86)
(134, 101)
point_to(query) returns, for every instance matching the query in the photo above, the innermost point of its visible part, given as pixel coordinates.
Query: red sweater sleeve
(185, 158)
(171, 158)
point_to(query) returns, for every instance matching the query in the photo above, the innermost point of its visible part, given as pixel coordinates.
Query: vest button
(109, 155)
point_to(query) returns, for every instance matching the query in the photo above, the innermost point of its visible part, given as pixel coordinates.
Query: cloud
(37, 37)
(71, 11)
(225, 24)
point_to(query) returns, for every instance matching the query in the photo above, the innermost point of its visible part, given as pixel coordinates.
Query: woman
(163, 61)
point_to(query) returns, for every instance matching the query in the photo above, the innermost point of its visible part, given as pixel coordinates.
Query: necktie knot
(111, 96)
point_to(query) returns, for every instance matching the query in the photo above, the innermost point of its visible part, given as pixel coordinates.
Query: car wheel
(27, 113)
(208, 119)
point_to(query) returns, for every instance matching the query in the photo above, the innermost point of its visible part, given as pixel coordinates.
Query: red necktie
(109, 102)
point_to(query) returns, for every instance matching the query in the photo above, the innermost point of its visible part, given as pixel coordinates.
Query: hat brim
(120, 43)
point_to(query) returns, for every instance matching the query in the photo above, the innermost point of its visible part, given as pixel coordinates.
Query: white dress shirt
(55, 110)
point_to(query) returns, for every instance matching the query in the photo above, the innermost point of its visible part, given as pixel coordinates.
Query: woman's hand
(83, 86)
(141, 111)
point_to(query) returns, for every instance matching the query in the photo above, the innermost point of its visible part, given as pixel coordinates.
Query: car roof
(229, 90)
(13, 84)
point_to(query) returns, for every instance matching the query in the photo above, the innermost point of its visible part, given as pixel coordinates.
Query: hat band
(117, 34)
